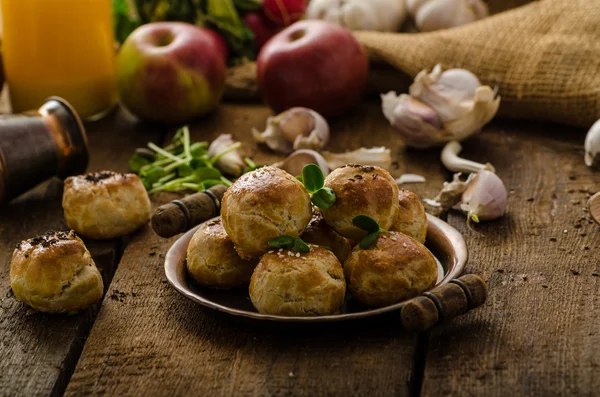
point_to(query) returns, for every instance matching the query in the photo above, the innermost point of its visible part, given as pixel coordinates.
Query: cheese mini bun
(288, 283)
(262, 205)
(411, 218)
(361, 189)
(318, 232)
(105, 205)
(55, 273)
(213, 262)
(396, 268)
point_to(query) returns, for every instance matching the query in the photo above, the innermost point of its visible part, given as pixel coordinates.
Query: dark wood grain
(538, 332)
(38, 352)
(154, 340)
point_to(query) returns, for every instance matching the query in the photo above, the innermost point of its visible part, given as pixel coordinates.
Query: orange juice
(59, 47)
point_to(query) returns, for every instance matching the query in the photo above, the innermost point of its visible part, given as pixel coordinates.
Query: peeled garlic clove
(454, 163)
(418, 124)
(485, 197)
(296, 128)
(443, 14)
(462, 103)
(230, 163)
(377, 156)
(592, 146)
(294, 163)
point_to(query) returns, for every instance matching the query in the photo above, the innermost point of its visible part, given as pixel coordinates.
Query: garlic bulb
(592, 146)
(294, 163)
(379, 15)
(430, 15)
(229, 161)
(485, 197)
(296, 128)
(442, 106)
(378, 156)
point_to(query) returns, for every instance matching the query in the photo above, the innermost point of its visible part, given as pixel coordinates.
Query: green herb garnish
(314, 180)
(291, 243)
(369, 225)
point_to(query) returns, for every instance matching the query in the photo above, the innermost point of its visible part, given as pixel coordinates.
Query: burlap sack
(544, 57)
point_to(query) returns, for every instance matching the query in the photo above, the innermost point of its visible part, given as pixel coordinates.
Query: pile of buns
(55, 272)
(233, 250)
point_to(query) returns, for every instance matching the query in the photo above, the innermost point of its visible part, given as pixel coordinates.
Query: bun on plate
(318, 232)
(411, 218)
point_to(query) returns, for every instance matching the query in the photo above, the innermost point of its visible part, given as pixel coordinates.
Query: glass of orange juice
(60, 48)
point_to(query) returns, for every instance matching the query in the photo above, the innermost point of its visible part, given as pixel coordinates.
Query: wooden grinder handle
(179, 216)
(444, 303)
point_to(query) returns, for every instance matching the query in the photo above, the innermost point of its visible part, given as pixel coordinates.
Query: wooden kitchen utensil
(179, 216)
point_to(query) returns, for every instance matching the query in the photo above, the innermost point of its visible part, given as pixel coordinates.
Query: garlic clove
(418, 124)
(296, 128)
(230, 163)
(294, 163)
(483, 109)
(451, 193)
(454, 163)
(592, 146)
(378, 15)
(485, 197)
(443, 14)
(377, 156)
(410, 178)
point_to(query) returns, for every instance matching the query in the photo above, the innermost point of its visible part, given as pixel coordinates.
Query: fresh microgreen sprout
(369, 225)
(313, 180)
(138, 161)
(251, 165)
(291, 243)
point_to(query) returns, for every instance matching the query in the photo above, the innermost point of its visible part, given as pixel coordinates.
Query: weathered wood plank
(538, 332)
(38, 352)
(153, 340)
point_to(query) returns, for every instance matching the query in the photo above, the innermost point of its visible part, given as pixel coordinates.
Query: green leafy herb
(291, 243)
(248, 5)
(313, 180)
(124, 19)
(251, 165)
(369, 225)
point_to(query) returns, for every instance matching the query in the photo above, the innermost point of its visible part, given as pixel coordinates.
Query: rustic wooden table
(538, 334)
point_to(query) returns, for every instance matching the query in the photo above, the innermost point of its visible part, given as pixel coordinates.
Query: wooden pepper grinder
(444, 303)
(179, 216)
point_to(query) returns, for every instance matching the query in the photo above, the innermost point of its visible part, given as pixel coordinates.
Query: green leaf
(313, 177)
(323, 198)
(198, 149)
(151, 175)
(284, 241)
(300, 246)
(212, 182)
(366, 223)
(369, 240)
(136, 162)
(124, 19)
(184, 170)
(203, 173)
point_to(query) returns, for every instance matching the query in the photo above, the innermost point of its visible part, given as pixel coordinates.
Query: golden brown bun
(396, 268)
(287, 283)
(318, 232)
(105, 205)
(213, 262)
(361, 190)
(55, 273)
(411, 218)
(262, 205)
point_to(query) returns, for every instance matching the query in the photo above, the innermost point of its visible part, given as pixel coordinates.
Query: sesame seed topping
(404, 245)
(297, 255)
(270, 252)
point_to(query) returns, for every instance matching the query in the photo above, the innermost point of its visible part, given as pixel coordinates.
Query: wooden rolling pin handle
(444, 303)
(179, 216)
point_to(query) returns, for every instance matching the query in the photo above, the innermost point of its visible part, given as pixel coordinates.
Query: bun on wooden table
(213, 261)
(289, 283)
(396, 268)
(55, 273)
(105, 205)
(262, 205)
(361, 190)
(411, 218)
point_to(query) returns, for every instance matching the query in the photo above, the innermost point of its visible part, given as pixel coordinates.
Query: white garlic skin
(294, 163)
(485, 198)
(296, 128)
(418, 124)
(462, 103)
(592, 146)
(377, 15)
(430, 15)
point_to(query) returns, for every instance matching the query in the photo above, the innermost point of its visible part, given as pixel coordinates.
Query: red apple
(171, 72)
(314, 64)
(261, 26)
(284, 12)
(219, 41)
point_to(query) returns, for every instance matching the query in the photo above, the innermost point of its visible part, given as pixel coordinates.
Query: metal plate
(445, 242)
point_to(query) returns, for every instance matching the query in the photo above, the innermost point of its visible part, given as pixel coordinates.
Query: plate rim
(433, 223)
